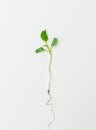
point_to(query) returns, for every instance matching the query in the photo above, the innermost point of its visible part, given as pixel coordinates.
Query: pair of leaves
(44, 37)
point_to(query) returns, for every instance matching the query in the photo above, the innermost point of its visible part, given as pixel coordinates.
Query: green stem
(49, 69)
(49, 90)
(49, 85)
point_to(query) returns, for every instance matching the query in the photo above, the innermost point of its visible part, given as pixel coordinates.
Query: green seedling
(46, 47)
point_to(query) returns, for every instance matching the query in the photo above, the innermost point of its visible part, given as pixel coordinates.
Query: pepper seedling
(46, 47)
(44, 37)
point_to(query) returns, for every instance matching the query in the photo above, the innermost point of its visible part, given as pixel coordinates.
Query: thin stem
(49, 69)
(49, 89)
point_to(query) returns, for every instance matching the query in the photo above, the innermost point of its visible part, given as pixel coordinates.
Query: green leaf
(39, 50)
(54, 42)
(44, 35)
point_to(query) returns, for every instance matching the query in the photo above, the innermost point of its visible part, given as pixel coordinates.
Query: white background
(23, 74)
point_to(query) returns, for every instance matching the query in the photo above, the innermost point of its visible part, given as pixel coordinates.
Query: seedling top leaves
(44, 37)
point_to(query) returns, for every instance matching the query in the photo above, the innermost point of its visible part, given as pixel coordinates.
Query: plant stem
(49, 69)
(49, 89)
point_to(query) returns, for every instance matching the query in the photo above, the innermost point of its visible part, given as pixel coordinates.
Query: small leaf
(39, 50)
(54, 42)
(44, 35)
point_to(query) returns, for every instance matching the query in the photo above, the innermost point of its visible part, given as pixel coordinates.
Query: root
(52, 110)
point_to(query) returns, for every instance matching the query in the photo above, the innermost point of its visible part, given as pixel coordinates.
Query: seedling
(48, 48)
